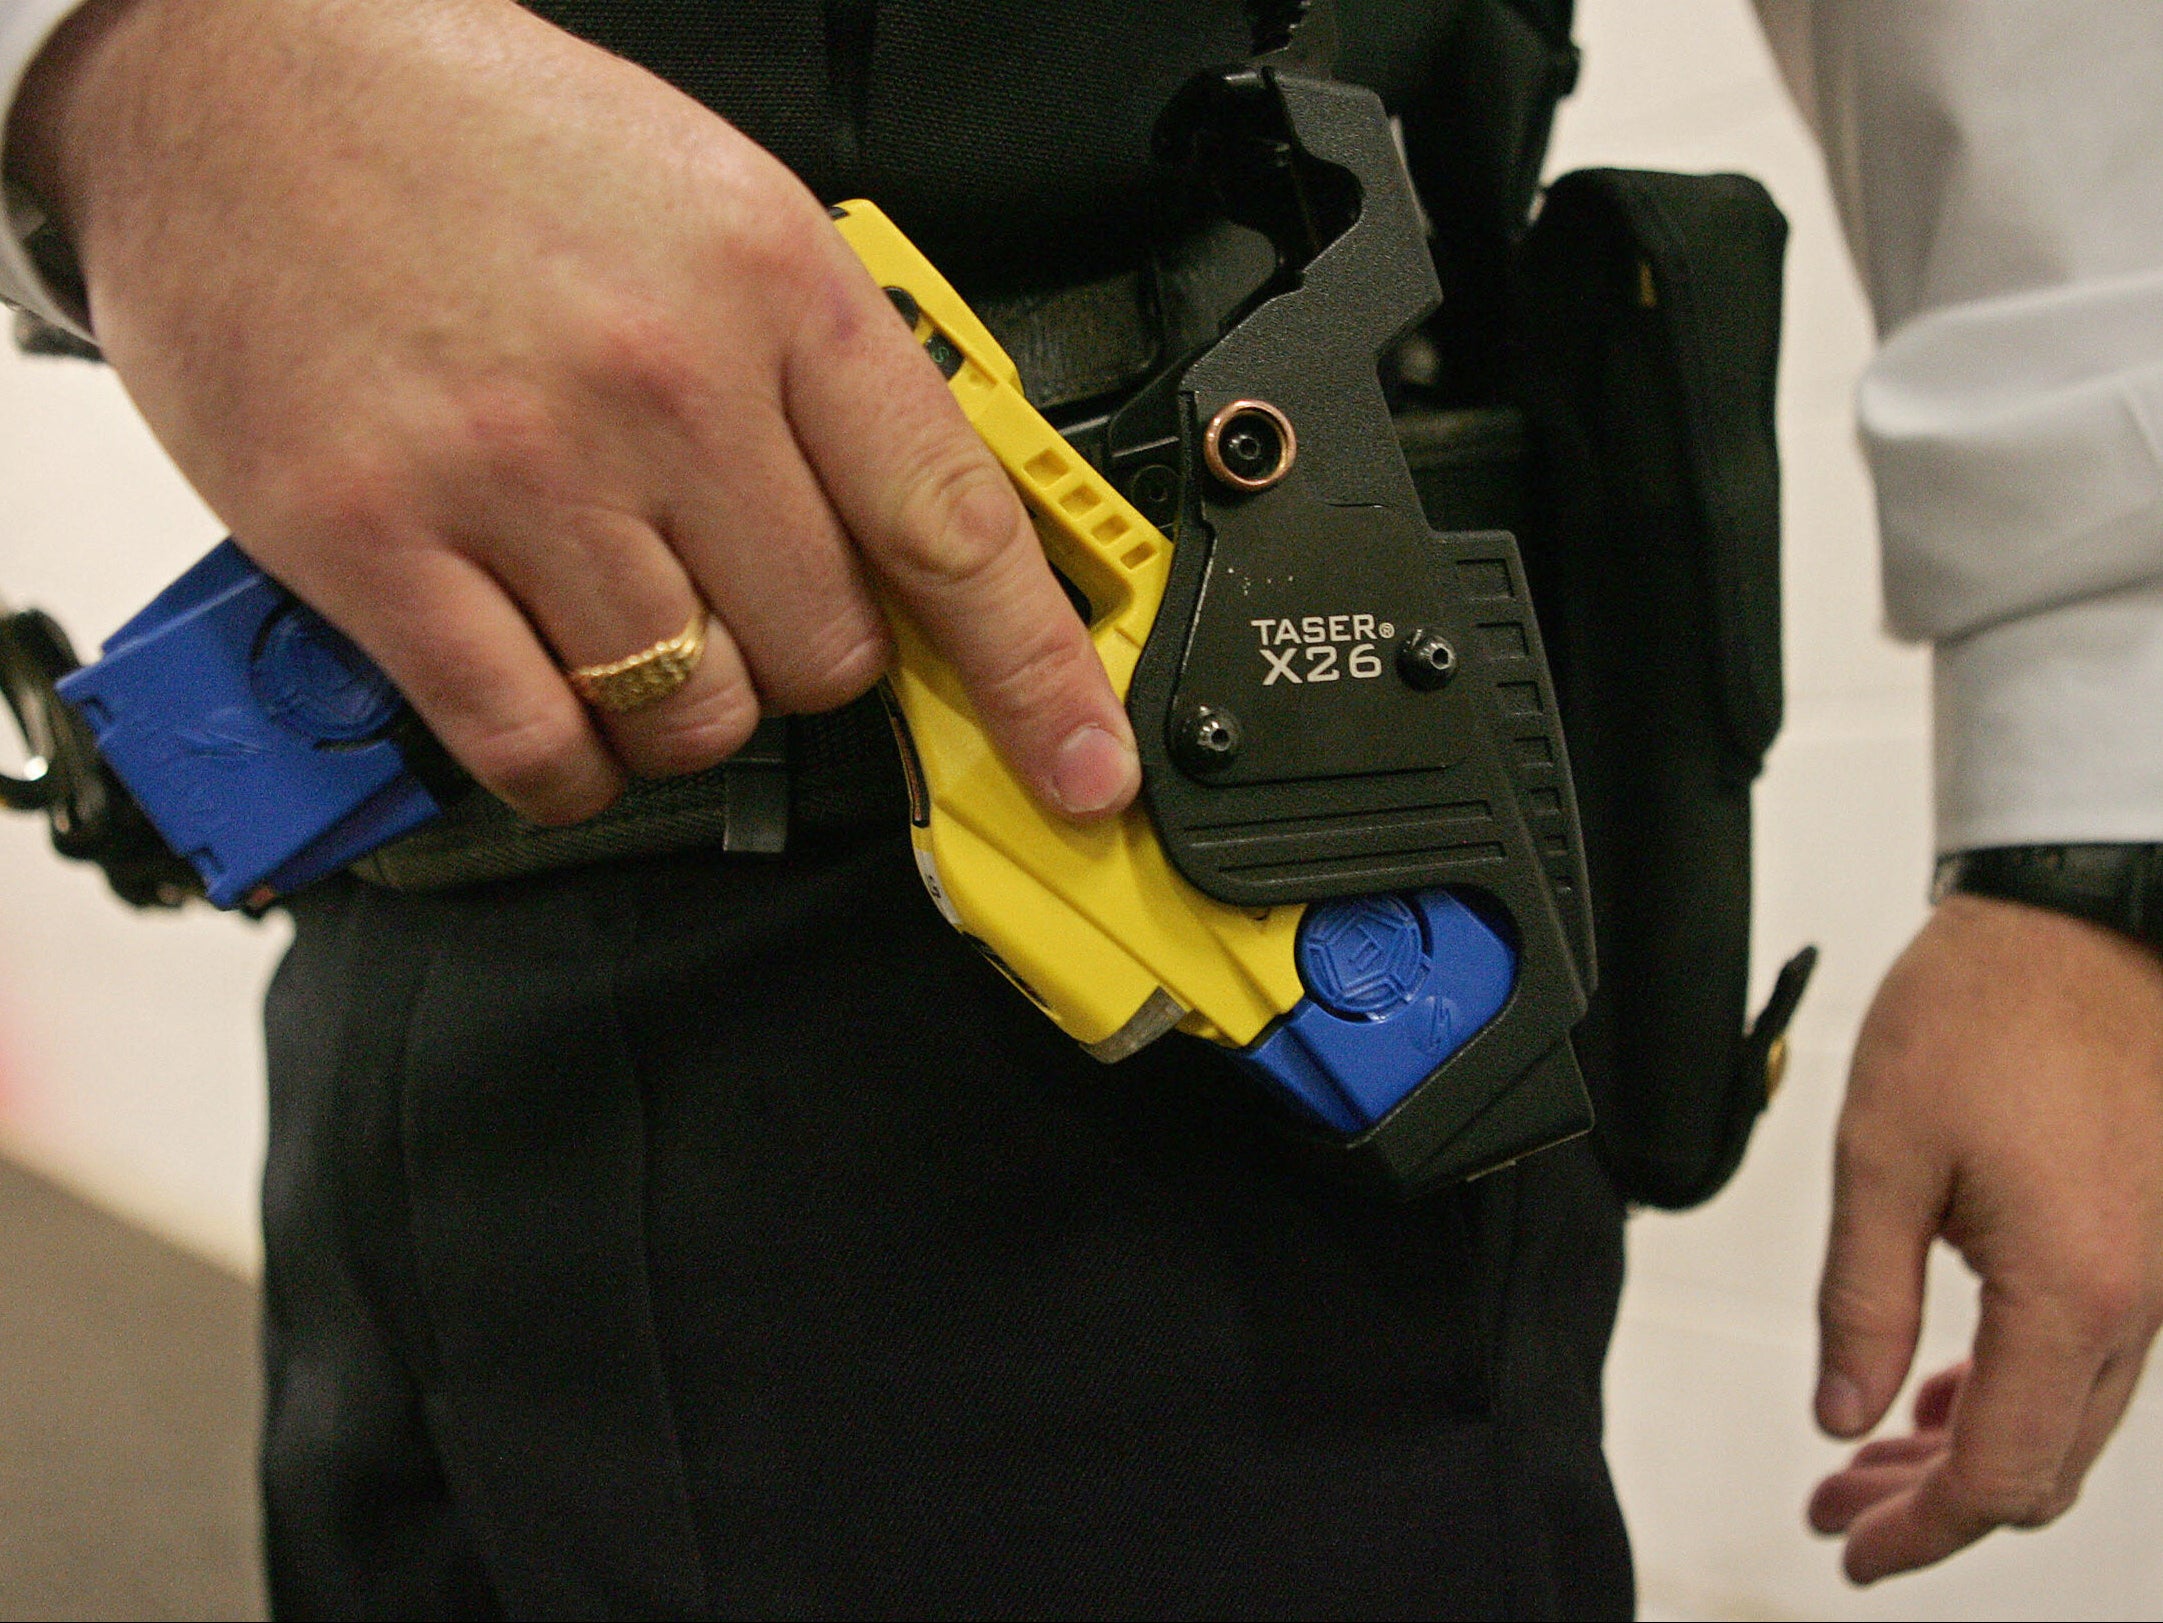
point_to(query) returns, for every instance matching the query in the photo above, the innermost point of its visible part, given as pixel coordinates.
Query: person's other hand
(2007, 1093)
(506, 357)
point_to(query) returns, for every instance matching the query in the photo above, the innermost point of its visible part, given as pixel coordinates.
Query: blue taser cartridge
(1395, 986)
(253, 733)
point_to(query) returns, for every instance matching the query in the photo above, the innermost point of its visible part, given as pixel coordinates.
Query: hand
(2007, 1093)
(506, 357)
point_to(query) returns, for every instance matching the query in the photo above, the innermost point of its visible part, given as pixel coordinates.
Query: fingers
(1845, 1496)
(2015, 1422)
(1886, 1208)
(1906, 1502)
(2035, 1369)
(1934, 1399)
(2114, 1389)
(2004, 1094)
(942, 527)
(1922, 1446)
(470, 665)
(602, 586)
(777, 565)
(1890, 1465)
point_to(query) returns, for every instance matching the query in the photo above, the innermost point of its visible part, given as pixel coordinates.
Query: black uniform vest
(1009, 138)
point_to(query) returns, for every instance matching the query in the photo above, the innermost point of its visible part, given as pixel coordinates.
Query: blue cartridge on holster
(1395, 986)
(255, 736)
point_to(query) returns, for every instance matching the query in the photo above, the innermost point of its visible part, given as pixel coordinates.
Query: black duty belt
(816, 776)
(1081, 349)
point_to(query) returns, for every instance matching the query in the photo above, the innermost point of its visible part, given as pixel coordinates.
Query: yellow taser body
(1093, 923)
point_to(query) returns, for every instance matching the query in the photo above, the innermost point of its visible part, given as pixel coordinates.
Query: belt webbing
(806, 776)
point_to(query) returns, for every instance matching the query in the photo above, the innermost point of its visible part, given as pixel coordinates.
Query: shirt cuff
(2050, 727)
(25, 26)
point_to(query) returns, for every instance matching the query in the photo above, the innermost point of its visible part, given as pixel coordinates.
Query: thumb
(1888, 1198)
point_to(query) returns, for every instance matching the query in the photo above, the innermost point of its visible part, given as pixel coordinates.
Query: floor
(128, 1397)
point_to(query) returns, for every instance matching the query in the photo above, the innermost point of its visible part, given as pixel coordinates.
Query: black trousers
(721, 1237)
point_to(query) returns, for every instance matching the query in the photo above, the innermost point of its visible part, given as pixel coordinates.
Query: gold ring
(646, 677)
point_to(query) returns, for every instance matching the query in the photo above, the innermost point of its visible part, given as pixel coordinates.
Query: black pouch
(1645, 327)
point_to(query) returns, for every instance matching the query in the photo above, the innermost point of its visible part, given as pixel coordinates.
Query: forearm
(2017, 442)
(1999, 168)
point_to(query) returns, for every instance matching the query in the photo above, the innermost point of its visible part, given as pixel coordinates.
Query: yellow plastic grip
(1092, 923)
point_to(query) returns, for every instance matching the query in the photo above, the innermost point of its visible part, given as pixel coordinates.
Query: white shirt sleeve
(1999, 168)
(25, 26)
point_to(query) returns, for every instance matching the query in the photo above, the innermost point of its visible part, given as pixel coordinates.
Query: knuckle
(1034, 677)
(776, 248)
(2104, 1306)
(831, 682)
(2001, 1498)
(955, 521)
(508, 435)
(351, 492)
(646, 354)
(2030, 1507)
(2053, 1505)
(2109, 1294)
(1865, 1157)
(1852, 1309)
(771, 250)
(532, 762)
(592, 543)
(697, 732)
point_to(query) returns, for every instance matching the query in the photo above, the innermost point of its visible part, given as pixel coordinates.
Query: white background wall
(130, 1064)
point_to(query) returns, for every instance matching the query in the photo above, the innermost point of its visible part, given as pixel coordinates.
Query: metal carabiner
(34, 654)
(93, 818)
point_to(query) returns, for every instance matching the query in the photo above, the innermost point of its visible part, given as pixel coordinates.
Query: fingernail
(1093, 770)
(1840, 1404)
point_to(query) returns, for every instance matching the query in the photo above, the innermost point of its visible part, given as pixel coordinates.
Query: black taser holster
(1441, 768)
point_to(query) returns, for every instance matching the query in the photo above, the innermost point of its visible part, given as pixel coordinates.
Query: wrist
(2118, 886)
(116, 79)
(95, 89)
(153, 134)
